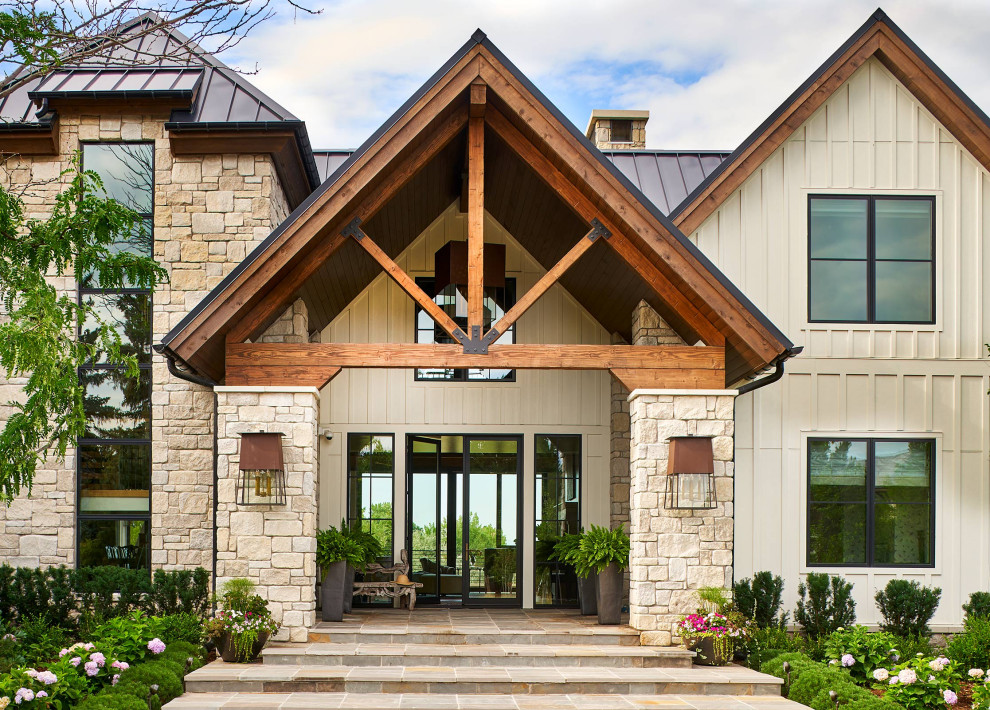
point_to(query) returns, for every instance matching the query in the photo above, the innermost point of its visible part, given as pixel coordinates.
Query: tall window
(453, 300)
(114, 453)
(872, 259)
(370, 474)
(558, 513)
(871, 502)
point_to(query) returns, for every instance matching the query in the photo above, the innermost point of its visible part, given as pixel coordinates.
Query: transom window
(114, 454)
(453, 300)
(871, 502)
(872, 259)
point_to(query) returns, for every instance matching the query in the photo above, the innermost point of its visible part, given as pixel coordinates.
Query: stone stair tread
(391, 649)
(426, 701)
(219, 672)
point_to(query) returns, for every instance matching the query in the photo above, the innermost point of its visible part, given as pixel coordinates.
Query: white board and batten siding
(871, 137)
(390, 401)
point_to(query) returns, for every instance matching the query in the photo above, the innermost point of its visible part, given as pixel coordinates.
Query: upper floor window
(453, 299)
(114, 454)
(871, 259)
(871, 502)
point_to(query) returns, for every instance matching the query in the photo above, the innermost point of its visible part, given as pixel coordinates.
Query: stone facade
(601, 134)
(675, 552)
(273, 546)
(210, 211)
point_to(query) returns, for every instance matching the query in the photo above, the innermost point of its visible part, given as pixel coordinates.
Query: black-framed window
(871, 259)
(558, 512)
(453, 300)
(871, 502)
(370, 487)
(113, 461)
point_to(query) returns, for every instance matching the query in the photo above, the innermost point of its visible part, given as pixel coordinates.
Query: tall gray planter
(588, 594)
(349, 589)
(609, 595)
(332, 591)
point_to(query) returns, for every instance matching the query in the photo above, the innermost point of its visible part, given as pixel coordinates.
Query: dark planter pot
(609, 595)
(332, 591)
(349, 589)
(226, 648)
(708, 654)
(588, 594)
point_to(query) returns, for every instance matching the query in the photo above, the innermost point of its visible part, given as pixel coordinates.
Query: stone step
(219, 677)
(472, 635)
(466, 655)
(420, 701)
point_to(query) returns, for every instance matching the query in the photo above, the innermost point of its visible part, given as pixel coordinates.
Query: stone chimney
(611, 129)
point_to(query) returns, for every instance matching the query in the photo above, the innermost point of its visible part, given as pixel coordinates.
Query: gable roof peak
(479, 36)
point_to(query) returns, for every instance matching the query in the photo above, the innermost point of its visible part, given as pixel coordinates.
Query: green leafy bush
(907, 607)
(825, 604)
(860, 652)
(847, 693)
(112, 701)
(128, 637)
(923, 682)
(813, 681)
(760, 599)
(28, 592)
(134, 688)
(799, 663)
(978, 605)
(179, 651)
(971, 648)
(179, 592)
(763, 644)
(108, 592)
(156, 673)
(601, 547)
(42, 639)
(178, 627)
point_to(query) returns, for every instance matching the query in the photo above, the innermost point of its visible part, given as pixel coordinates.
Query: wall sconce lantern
(690, 474)
(262, 469)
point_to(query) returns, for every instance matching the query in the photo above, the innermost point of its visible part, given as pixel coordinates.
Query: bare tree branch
(40, 36)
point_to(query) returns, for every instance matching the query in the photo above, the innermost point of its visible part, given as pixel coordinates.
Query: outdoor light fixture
(690, 474)
(262, 469)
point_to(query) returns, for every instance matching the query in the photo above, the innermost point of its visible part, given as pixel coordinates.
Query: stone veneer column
(675, 552)
(273, 546)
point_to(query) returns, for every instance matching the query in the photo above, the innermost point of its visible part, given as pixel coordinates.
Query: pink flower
(31, 672)
(91, 668)
(24, 694)
(41, 694)
(47, 677)
(848, 660)
(950, 697)
(75, 660)
(156, 646)
(63, 652)
(89, 646)
(115, 679)
(120, 665)
(99, 658)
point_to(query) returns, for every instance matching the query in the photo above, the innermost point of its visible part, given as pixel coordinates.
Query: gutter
(173, 368)
(775, 375)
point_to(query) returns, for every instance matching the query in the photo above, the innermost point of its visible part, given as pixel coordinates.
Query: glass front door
(463, 558)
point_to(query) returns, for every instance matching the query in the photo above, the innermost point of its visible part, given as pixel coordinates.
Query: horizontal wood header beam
(516, 357)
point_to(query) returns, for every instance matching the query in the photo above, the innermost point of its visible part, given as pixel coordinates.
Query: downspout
(173, 368)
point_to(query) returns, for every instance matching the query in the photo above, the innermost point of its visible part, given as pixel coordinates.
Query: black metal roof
(477, 38)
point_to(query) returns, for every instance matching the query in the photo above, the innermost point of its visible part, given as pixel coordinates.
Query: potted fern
(335, 550)
(371, 550)
(606, 553)
(565, 550)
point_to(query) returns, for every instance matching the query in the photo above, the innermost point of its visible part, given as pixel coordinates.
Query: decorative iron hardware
(353, 229)
(598, 230)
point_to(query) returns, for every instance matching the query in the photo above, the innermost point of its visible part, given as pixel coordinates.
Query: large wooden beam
(246, 356)
(583, 206)
(476, 224)
(652, 379)
(406, 282)
(317, 376)
(271, 305)
(549, 279)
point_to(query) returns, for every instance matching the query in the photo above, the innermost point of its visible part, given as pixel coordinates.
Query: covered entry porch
(336, 327)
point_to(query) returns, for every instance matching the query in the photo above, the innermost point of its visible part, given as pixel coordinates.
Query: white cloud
(709, 72)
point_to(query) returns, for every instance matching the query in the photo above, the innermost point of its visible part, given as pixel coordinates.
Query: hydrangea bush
(981, 690)
(921, 682)
(856, 649)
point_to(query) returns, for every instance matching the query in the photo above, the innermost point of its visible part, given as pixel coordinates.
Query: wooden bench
(389, 588)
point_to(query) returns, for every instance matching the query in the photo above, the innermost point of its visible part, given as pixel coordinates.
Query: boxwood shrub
(817, 679)
(156, 673)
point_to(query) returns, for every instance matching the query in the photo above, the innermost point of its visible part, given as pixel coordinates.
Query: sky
(708, 71)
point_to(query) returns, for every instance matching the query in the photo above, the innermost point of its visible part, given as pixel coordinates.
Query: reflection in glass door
(465, 558)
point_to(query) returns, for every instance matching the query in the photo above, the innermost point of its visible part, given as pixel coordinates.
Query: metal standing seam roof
(666, 177)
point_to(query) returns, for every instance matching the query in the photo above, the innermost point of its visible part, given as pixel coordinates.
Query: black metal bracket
(598, 230)
(353, 229)
(476, 344)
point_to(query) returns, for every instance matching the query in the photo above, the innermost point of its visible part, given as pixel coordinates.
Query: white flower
(975, 673)
(881, 674)
(907, 676)
(848, 660)
(834, 662)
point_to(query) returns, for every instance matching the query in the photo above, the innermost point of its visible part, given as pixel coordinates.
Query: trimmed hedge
(811, 681)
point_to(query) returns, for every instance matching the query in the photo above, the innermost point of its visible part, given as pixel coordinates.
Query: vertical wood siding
(872, 136)
(538, 402)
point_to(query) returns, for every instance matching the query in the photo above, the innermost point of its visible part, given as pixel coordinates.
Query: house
(480, 330)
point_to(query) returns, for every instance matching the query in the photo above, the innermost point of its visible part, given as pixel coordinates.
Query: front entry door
(471, 559)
